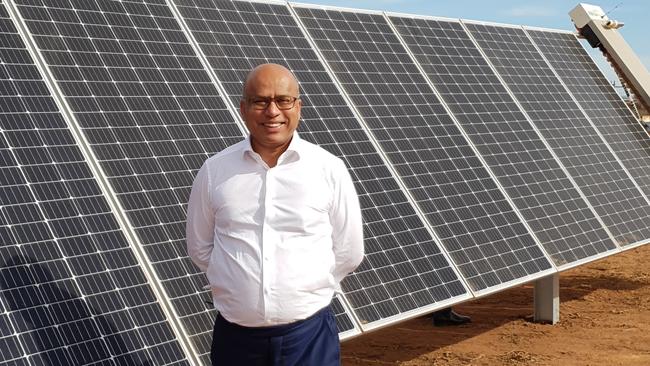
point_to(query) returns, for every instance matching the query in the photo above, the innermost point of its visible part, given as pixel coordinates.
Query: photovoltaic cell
(584, 154)
(344, 323)
(477, 226)
(599, 100)
(539, 188)
(71, 289)
(404, 268)
(151, 115)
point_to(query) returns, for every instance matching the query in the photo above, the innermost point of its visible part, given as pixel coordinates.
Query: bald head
(266, 73)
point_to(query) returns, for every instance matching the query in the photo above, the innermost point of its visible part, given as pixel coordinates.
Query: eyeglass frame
(251, 101)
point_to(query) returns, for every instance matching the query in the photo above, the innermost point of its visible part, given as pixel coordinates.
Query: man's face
(271, 127)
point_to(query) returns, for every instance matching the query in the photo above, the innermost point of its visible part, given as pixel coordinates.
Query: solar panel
(151, 115)
(476, 224)
(605, 183)
(72, 291)
(404, 269)
(611, 116)
(554, 209)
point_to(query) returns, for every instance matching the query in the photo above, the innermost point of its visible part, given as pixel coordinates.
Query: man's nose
(272, 109)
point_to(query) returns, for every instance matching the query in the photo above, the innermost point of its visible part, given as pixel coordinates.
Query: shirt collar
(295, 145)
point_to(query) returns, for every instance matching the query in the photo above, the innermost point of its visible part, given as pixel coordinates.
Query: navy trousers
(310, 342)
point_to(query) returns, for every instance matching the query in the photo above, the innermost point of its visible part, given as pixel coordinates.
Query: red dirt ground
(604, 320)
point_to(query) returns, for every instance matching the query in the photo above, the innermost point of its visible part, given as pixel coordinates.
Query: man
(275, 223)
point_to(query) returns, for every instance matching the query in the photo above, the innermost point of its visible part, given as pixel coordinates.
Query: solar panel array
(596, 96)
(516, 154)
(484, 156)
(609, 189)
(72, 291)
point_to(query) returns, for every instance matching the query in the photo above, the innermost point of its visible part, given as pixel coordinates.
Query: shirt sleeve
(347, 229)
(200, 220)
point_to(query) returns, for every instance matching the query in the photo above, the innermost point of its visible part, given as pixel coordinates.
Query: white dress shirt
(274, 242)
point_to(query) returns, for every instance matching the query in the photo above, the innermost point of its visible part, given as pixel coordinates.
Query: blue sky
(548, 14)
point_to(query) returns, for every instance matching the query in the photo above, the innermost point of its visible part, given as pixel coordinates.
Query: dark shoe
(445, 317)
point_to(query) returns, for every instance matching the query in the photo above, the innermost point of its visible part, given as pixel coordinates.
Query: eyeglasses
(282, 102)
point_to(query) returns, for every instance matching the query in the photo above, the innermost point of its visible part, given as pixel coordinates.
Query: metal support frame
(547, 299)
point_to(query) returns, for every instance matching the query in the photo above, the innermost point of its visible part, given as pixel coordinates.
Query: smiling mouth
(272, 124)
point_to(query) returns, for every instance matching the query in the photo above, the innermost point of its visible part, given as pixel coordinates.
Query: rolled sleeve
(347, 229)
(200, 220)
